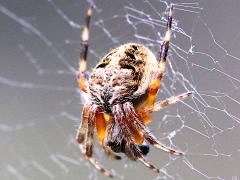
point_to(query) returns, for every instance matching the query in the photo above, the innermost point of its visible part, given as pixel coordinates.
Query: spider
(121, 94)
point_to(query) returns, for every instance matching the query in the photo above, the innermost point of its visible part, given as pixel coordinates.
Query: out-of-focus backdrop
(40, 103)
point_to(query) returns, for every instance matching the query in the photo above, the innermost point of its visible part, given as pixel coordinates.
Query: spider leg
(89, 147)
(132, 116)
(156, 143)
(145, 113)
(103, 128)
(90, 132)
(87, 125)
(83, 128)
(147, 163)
(154, 86)
(162, 104)
(106, 147)
(119, 117)
(142, 159)
(109, 152)
(81, 76)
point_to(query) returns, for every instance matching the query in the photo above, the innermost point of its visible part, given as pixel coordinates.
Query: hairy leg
(103, 128)
(88, 125)
(154, 86)
(132, 116)
(83, 128)
(162, 104)
(106, 145)
(81, 76)
(132, 150)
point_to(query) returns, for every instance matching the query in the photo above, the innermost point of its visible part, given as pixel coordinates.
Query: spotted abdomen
(123, 73)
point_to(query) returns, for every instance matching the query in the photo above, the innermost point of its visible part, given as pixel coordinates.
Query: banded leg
(83, 128)
(154, 86)
(119, 117)
(87, 125)
(156, 143)
(90, 132)
(105, 144)
(103, 128)
(81, 77)
(89, 147)
(162, 104)
(132, 116)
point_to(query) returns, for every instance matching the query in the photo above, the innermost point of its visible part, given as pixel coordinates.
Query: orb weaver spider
(121, 95)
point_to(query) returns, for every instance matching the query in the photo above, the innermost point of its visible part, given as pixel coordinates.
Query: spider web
(40, 101)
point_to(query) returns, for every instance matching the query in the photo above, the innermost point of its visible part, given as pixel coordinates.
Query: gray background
(40, 103)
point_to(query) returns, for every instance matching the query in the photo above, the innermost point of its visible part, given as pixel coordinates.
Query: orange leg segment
(144, 116)
(101, 126)
(172, 100)
(152, 94)
(154, 86)
(137, 136)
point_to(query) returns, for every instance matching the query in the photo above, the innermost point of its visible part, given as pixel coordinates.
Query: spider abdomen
(123, 74)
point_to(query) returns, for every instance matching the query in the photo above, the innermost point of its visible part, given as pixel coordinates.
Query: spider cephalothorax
(121, 96)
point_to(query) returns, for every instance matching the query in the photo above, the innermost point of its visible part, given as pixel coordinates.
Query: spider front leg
(145, 113)
(87, 126)
(154, 86)
(104, 127)
(131, 149)
(135, 120)
(106, 146)
(81, 76)
(172, 100)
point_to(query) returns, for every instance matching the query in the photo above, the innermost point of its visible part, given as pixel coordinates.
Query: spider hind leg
(132, 150)
(133, 117)
(86, 128)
